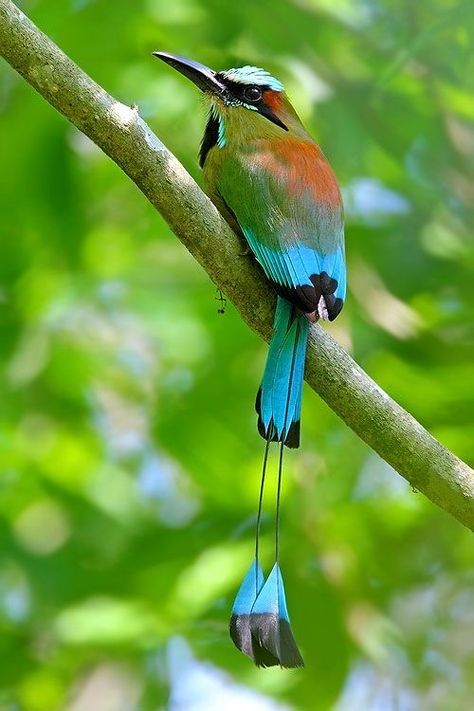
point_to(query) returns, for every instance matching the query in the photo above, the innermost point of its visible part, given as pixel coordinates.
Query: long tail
(260, 625)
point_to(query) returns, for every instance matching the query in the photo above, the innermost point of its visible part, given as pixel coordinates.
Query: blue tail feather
(248, 591)
(270, 623)
(279, 397)
(260, 624)
(244, 601)
(271, 598)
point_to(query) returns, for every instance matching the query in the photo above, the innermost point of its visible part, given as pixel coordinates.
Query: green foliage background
(129, 457)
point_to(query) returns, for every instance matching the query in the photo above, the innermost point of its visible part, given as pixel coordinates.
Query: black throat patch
(210, 138)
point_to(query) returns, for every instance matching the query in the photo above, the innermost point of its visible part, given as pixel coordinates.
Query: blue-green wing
(297, 239)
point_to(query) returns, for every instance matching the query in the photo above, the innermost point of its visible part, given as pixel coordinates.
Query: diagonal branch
(331, 372)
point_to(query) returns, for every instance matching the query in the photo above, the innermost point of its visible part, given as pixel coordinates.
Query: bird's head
(243, 98)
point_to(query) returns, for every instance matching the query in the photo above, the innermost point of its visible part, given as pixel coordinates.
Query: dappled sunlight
(381, 306)
(198, 686)
(214, 572)
(161, 482)
(123, 115)
(42, 527)
(108, 686)
(107, 620)
(370, 201)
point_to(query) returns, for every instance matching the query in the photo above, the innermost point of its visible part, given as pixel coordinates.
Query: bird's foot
(222, 302)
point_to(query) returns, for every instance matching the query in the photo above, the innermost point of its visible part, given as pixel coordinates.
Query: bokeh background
(129, 456)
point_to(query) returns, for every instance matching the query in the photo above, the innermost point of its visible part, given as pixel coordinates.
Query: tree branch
(122, 134)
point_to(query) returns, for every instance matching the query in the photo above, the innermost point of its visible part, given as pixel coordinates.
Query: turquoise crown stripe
(253, 75)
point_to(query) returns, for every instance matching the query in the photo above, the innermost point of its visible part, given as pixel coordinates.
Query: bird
(271, 182)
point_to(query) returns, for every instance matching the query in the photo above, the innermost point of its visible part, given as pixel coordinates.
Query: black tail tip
(292, 439)
(274, 634)
(334, 306)
(266, 639)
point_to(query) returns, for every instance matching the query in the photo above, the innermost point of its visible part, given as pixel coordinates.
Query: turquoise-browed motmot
(273, 185)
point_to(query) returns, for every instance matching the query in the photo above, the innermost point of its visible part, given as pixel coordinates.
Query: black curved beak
(199, 74)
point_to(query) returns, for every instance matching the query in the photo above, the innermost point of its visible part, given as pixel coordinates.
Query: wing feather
(286, 201)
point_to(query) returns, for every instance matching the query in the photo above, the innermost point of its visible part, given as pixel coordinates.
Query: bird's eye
(252, 94)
